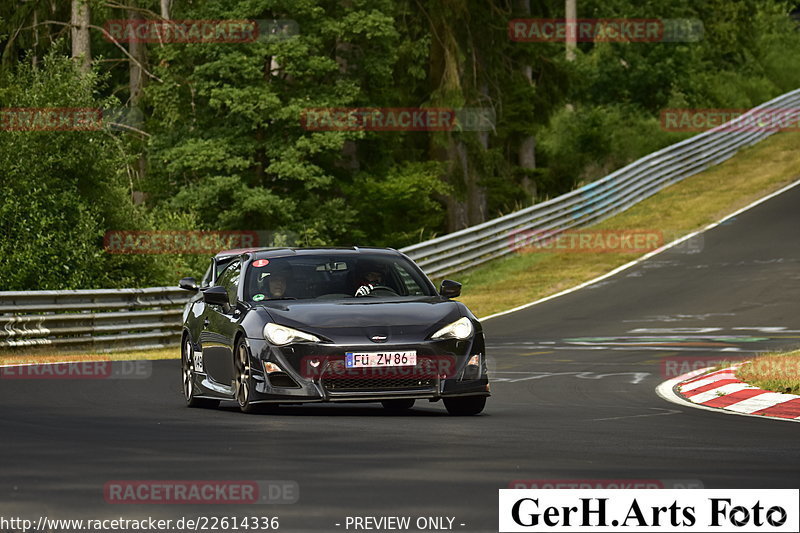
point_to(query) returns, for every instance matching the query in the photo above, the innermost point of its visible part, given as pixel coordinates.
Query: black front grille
(336, 377)
(342, 384)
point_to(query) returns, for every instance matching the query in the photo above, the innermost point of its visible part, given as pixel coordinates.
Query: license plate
(378, 359)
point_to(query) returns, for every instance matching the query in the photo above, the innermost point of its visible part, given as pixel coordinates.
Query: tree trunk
(476, 193)
(165, 5)
(137, 51)
(572, 35)
(466, 204)
(349, 159)
(527, 162)
(526, 156)
(35, 47)
(81, 45)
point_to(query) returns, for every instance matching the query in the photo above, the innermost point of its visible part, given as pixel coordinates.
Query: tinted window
(230, 280)
(214, 271)
(206, 281)
(334, 276)
(411, 286)
(222, 264)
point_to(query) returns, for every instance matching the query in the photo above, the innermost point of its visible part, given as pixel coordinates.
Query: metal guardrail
(594, 202)
(102, 319)
(118, 319)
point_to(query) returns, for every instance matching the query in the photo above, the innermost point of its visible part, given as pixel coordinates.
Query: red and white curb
(721, 391)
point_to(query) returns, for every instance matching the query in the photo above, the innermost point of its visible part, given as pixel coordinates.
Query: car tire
(398, 405)
(465, 406)
(187, 371)
(243, 380)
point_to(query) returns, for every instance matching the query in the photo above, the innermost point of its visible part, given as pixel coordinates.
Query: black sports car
(292, 325)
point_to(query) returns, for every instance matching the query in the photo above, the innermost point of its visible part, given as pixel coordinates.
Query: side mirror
(450, 289)
(216, 296)
(190, 284)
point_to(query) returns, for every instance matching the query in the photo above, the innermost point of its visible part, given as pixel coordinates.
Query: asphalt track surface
(573, 398)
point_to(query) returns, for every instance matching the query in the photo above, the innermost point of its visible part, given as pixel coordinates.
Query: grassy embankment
(779, 372)
(677, 210)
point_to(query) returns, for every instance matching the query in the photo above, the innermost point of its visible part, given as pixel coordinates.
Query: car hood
(349, 321)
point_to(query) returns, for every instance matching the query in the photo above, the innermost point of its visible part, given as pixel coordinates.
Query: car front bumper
(315, 372)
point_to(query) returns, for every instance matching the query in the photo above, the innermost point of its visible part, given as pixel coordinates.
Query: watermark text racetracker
(69, 119)
(130, 492)
(674, 366)
(669, 510)
(178, 242)
(377, 366)
(51, 119)
(80, 370)
(397, 119)
(590, 241)
(731, 120)
(198, 31)
(619, 30)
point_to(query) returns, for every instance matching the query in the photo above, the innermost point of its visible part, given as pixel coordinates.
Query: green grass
(678, 210)
(50, 355)
(778, 372)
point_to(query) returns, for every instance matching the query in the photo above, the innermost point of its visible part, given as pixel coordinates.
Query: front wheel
(244, 378)
(187, 371)
(465, 406)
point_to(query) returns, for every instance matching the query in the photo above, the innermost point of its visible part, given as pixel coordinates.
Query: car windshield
(332, 276)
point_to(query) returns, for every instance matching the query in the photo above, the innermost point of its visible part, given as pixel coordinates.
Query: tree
(224, 147)
(81, 44)
(230, 130)
(571, 16)
(62, 190)
(526, 158)
(26, 34)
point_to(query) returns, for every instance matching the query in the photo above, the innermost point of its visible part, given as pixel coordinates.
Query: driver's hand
(364, 290)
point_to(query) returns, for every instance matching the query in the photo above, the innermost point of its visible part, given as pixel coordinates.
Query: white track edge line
(645, 256)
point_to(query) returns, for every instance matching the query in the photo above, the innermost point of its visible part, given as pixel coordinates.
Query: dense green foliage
(219, 144)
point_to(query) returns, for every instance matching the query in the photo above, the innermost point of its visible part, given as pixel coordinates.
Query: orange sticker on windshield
(261, 263)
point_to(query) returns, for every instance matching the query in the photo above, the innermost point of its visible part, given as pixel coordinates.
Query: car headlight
(460, 329)
(281, 335)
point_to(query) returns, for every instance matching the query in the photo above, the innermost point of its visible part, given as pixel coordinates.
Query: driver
(271, 284)
(277, 285)
(370, 276)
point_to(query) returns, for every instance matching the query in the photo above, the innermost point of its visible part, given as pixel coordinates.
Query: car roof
(352, 250)
(266, 253)
(238, 251)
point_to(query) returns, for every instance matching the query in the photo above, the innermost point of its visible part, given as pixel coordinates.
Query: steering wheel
(382, 288)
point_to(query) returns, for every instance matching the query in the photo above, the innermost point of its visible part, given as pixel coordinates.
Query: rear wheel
(187, 371)
(398, 405)
(465, 406)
